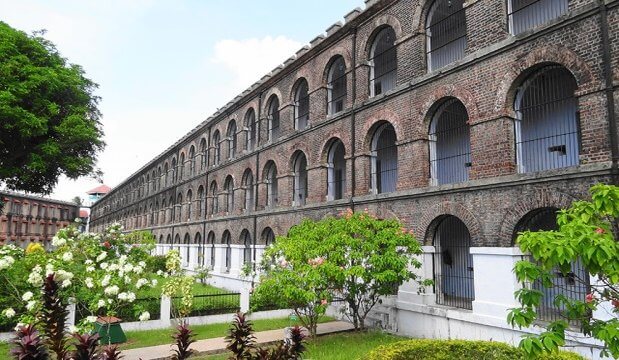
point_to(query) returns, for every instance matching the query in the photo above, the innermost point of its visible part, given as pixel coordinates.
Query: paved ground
(217, 345)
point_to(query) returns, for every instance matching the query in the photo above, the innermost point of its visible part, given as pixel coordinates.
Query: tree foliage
(587, 233)
(49, 121)
(355, 258)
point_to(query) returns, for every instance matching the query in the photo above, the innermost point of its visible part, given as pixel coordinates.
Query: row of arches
(546, 136)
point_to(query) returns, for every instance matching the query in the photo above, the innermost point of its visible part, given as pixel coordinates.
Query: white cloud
(250, 59)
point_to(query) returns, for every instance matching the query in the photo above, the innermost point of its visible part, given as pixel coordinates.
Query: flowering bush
(99, 272)
(178, 284)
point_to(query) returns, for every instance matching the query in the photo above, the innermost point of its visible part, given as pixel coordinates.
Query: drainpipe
(608, 89)
(204, 235)
(352, 119)
(255, 185)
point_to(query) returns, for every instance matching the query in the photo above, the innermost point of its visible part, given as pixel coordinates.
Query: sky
(163, 66)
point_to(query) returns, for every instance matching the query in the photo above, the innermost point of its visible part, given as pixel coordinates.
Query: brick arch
(326, 145)
(295, 150)
(540, 198)
(552, 54)
(421, 13)
(378, 24)
(449, 91)
(331, 54)
(313, 81)
(295, 86)
(267, 97)
(278, 167)
(372, 122)
(430, 220)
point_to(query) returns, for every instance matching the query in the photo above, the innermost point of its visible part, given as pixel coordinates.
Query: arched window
(187, 244)
(197, 240)
(336, 94)
(384, 159)
(169, 239)
(248, 186)
(174, 171)
(268, 237)
(211, 245)
(336, 171)
(203, 154)
(231, 134)
(383, 62)
(179, 207)
(177, 242)
(226, 240)
(301, 105)
(216, 148)
(172, 216)
(229, 189)
(166, 170)
(450, 145)
(527, 14)
(270, 181)
(200, 201)
(250, 127)
(300, 179)
(192, 160)
(246, 241)
(574, 285)
(446, 33)
(159, 179)
(273, 118)
(214, 199)
(546, 125)
(156, 213)
(453, 270)
(189, 204)
(163, 207)
(181, 165)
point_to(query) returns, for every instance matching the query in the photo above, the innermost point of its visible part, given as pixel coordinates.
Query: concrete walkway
(218, 345)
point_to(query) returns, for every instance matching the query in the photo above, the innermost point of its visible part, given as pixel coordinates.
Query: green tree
(587, 233)
(355, 258)
(49, 121)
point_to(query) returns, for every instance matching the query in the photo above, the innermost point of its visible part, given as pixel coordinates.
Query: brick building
(25, 218)
(467, 120)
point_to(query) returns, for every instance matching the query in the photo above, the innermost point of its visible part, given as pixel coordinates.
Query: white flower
(159, 272)
(89, 283)
(67, 257)
(90, 269)
(122, 259)
(62, 275)
(19, 326)
(142, 264)
(111, 290)
(140, 283)
(78, 220)
(123, 296)
(73, 329)
(57, 242)
(6, 262)
(101, 256)
(49, 269)
(91, 319)
(35, 278)
(144, 316)
(130, 297)
(106, 280)
(65, 283)
(88, 262)
(153, 282)
(127, 280)
(112, 267)
(27, 296)
(103, 265)
(128, 268)
(8, 313)
(100, 304)
(138, 269)
(31, 304)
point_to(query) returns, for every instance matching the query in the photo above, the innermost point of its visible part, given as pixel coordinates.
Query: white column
(410, 291)
(194, 261)
(220, 258)
(259, 254)
(237, 259)
(495, 282)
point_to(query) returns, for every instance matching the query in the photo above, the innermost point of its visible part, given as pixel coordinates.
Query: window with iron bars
(250, 124)
(384, 160)
(383, 62)
(573, 285)
(302, 106)
(300, 180)
(546, 126)
(271, 187)
(216, 149)
(337, 86)
(227, 242)
(450, 147)
(246, 237)
(528, 14)
(232, 140)
(273, 120)
(336, 174)
(453, 264)
(445, 33)
(248, 185)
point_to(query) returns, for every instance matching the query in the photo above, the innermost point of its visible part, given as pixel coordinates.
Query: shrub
(425, 349)
(155, 264)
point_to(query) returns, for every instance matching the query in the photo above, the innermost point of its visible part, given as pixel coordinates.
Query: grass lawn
(137, 339)
(344, 346)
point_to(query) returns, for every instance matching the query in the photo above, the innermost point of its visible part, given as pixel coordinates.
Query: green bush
(155, 263)
(425, 349)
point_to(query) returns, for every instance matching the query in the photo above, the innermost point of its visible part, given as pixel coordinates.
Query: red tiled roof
(103, 189)
(84, 213)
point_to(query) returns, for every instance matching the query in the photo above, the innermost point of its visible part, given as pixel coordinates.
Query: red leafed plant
(53, 316)
(86, 347)
(29, 345)
(182, 338)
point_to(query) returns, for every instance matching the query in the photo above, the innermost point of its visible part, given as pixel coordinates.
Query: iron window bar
(384, 63)
(447, 31)
(527, 14)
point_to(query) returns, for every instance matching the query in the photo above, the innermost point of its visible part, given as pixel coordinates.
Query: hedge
(426, 349)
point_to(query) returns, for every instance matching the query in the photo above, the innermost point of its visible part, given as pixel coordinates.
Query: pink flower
(107, 244)
(589, 298)
(600, 231)
(283, 263)
(323, 302)
(615, 303)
